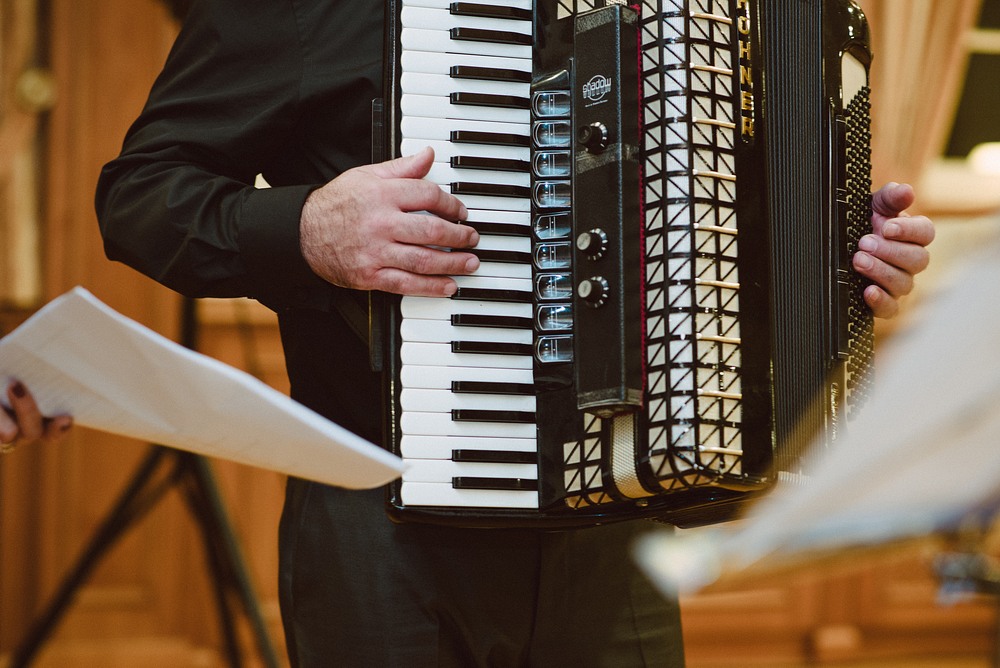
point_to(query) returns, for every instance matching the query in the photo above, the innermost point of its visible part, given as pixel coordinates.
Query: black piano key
(489, 11)
(492, 36)
(508, 417)
(492, 295)
(494, 456)
(505, 484)
(492, 348)
(467, 99)
(490, 189)
(489, 138)
(497, 321)
(495, 164)
(488, 387)
(504, 256)
(499, 229)
(489, 74)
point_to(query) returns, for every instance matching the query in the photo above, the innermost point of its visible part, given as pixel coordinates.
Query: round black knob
(592, 243)
(593, 291)
(594, 136)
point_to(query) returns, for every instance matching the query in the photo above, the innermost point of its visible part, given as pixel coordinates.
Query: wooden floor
(164, 653)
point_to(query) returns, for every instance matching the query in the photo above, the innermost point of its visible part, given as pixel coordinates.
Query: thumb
(892, 199)
(413, 166)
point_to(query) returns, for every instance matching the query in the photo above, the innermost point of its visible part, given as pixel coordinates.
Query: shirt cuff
(269, 238)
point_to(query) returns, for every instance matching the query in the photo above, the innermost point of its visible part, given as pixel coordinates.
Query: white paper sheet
(78, 356)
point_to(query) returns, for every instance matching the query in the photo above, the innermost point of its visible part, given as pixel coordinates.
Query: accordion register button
(553, 194)
(551, 103)
(556, 255)
(554, 317)
(552, 349)
(553, 286)
(552, 134)
(553, 225)
(551, 164)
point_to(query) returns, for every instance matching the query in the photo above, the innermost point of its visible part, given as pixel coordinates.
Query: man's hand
(363, 230)
(23, 423)
(896, 250)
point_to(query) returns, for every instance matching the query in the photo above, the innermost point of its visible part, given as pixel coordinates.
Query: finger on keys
(432, 231)
(402, 282)
(429, 261)
(414, 193)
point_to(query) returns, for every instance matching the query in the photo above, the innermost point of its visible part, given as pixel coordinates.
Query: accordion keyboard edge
(668, 196)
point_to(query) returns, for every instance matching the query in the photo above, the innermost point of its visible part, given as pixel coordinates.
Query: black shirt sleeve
(179, 203)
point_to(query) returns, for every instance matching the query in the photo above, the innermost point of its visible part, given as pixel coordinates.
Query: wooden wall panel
(150, 601)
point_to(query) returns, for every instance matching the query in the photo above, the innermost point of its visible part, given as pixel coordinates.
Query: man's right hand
(364, 230)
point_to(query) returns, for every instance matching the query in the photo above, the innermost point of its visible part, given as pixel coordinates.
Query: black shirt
(281, 88)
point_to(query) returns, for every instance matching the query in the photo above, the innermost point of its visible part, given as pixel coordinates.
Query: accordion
(668, 195)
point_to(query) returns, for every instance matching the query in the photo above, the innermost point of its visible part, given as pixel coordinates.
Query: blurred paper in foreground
(923, 455)
(78, 356)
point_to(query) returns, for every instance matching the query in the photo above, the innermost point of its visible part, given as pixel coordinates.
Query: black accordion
(668, 195)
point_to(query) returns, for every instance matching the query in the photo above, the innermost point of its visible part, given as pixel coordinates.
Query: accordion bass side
(668, 195)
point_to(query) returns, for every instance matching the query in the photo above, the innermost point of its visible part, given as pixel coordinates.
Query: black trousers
(358, 590)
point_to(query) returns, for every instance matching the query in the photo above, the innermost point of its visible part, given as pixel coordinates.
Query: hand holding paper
(81, 358)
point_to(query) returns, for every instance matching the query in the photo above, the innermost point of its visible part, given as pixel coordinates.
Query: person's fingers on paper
(29, 418)
(24, 421)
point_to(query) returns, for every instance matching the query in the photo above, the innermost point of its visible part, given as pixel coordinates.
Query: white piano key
(441, 377)
(418, 83)
(442, 331)
(442, 172)
(511, 217)
(441, 424)
(441, 63)
(503, 270)
(445, 4)
(441, 309)
(443, 494)
(440, 41)
(442, 401)
(493, 283)
(445, 150)
(494, 242)
(437, 106)
(518, 204)
(441, 447)
(439, 129)
(439, 354)
(428, 18)
(433, 470)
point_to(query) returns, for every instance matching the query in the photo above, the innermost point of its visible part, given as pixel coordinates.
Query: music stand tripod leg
(225, 559)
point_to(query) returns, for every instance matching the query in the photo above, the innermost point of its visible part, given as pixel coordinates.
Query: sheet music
(78, 356)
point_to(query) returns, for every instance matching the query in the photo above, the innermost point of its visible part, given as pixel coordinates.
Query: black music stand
(191, 474)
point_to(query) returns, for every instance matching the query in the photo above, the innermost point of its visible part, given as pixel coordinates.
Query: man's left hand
(896, 250)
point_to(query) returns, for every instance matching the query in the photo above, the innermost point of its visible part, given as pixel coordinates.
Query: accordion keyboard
(468, 425)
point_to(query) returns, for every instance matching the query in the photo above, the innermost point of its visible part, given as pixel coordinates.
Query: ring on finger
(8, 447)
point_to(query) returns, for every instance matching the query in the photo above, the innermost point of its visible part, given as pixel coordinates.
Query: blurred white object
(923, 454)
